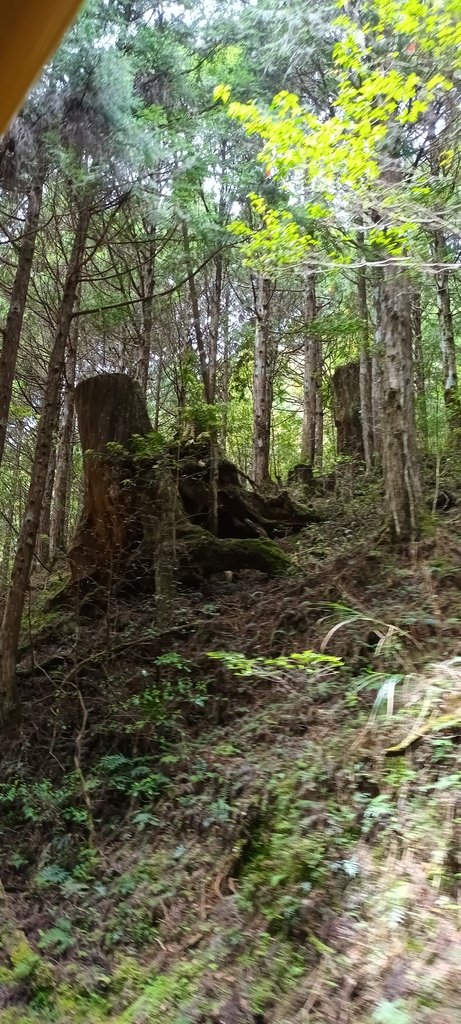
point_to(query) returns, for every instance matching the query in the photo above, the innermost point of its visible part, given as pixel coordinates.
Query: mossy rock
(207, 554)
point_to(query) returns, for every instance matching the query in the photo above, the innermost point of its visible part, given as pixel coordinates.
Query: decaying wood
(145, 510)
(346, 408)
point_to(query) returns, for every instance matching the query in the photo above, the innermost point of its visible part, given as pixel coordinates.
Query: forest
(230, 555)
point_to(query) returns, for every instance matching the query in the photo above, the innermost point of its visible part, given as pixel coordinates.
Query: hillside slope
(195, 839)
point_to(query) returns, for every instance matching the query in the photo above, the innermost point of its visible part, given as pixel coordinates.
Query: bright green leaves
(221, 92)
(278, 241)
(383, 91)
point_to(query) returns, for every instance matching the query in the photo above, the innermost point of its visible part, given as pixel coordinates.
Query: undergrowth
(250, 816)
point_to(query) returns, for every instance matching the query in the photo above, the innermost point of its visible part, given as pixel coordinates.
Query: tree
(14, 605)
(12, 330)
(359, 153)
(262, 400)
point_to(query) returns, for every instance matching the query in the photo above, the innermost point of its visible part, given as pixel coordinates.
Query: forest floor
(187, 839)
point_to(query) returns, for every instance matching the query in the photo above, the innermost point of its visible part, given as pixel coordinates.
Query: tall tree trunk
(213, 334)
(14, 501)
(148, 285)
(365, 367)
(310, 374)
(319, 408)
(261, 384)
(200, 340)
(13, 326)
(43, 539)
(225, 370)
(447, 340)
(158, 389)
(208, 361)
(64, 448)
(377, 359)
(418, 362)
(14, 605)
(400, 461)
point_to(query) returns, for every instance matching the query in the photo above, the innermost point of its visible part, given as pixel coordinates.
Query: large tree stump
(346, 410)
(143, 514)
(110, 412)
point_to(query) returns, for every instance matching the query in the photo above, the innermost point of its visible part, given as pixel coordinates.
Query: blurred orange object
(30, 31)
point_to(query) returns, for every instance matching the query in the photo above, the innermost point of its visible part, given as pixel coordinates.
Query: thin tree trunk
(310, 375)
(377, 369)
(64, 448)
(15, 316)
(200, 340)
(447, 340)
(11, 624)
(215, 313)
(418, 362)
(43, 539)
(12, 506)
(158, 390)
(261, 384)
(319, 408)
(225, 370)
(365, 367)
(148, 285)
(400, 461)
(208, 363)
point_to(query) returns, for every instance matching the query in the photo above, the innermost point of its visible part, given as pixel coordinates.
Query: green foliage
(265, 668)
(58, 939)
(172, 690)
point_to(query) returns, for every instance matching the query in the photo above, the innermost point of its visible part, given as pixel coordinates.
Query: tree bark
(346, 407)
(208, 361)
(110, 411)
(14, 605)
(201, 347)
(215, 313)
(225, 370)
(418, 363)
(14, 502)
(365, 368)
(400, 461)
(43, 539)
(158, 390)
(447, 342)
(15, 316)
(148, 285)
(377, 369)
(310, 375)
(64, 448)
(261, 384)
(129, 534)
